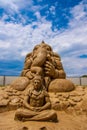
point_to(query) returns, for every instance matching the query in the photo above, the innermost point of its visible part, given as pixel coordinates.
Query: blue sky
(60, 23)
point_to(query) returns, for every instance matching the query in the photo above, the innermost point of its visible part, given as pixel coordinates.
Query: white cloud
(78, 12)
(13, 8)
(38, 15)
(69, 43)
(4, 44)
(52, 10)
(15, 4)
(79, 15)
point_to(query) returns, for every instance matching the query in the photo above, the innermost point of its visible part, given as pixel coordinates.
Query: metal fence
(6, 80)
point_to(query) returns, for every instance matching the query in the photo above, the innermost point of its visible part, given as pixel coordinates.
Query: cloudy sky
(60, 23)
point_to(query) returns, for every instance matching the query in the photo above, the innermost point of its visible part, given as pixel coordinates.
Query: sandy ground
(66, 122)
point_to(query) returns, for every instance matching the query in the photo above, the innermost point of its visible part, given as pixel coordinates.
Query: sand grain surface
(66, 122)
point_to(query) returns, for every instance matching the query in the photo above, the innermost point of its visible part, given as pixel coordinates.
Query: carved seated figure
(36, 104)
(43, 56)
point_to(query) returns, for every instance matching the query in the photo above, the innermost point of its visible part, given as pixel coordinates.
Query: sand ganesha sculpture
(29, 94)
(42, 98)
(42, 73)
(44, 62)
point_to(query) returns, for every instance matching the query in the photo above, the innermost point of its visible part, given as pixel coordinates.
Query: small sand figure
(37, 105)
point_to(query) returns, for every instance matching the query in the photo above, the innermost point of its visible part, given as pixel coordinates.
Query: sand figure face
(37, 83)
(40, 53)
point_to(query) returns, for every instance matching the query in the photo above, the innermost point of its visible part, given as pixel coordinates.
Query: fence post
(80, 80)
(4, 80)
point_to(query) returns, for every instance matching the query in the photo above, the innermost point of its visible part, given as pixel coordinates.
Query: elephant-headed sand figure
(46, 63)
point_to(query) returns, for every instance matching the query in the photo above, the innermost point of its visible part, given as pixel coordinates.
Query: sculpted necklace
(37, 93)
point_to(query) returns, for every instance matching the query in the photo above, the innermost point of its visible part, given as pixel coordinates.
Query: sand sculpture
(42, 73)
(46, 63)
(53, 91)
(42, 90)
(36, 104)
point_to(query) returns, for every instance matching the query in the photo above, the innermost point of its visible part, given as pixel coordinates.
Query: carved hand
(49, 69)
(38, 109)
